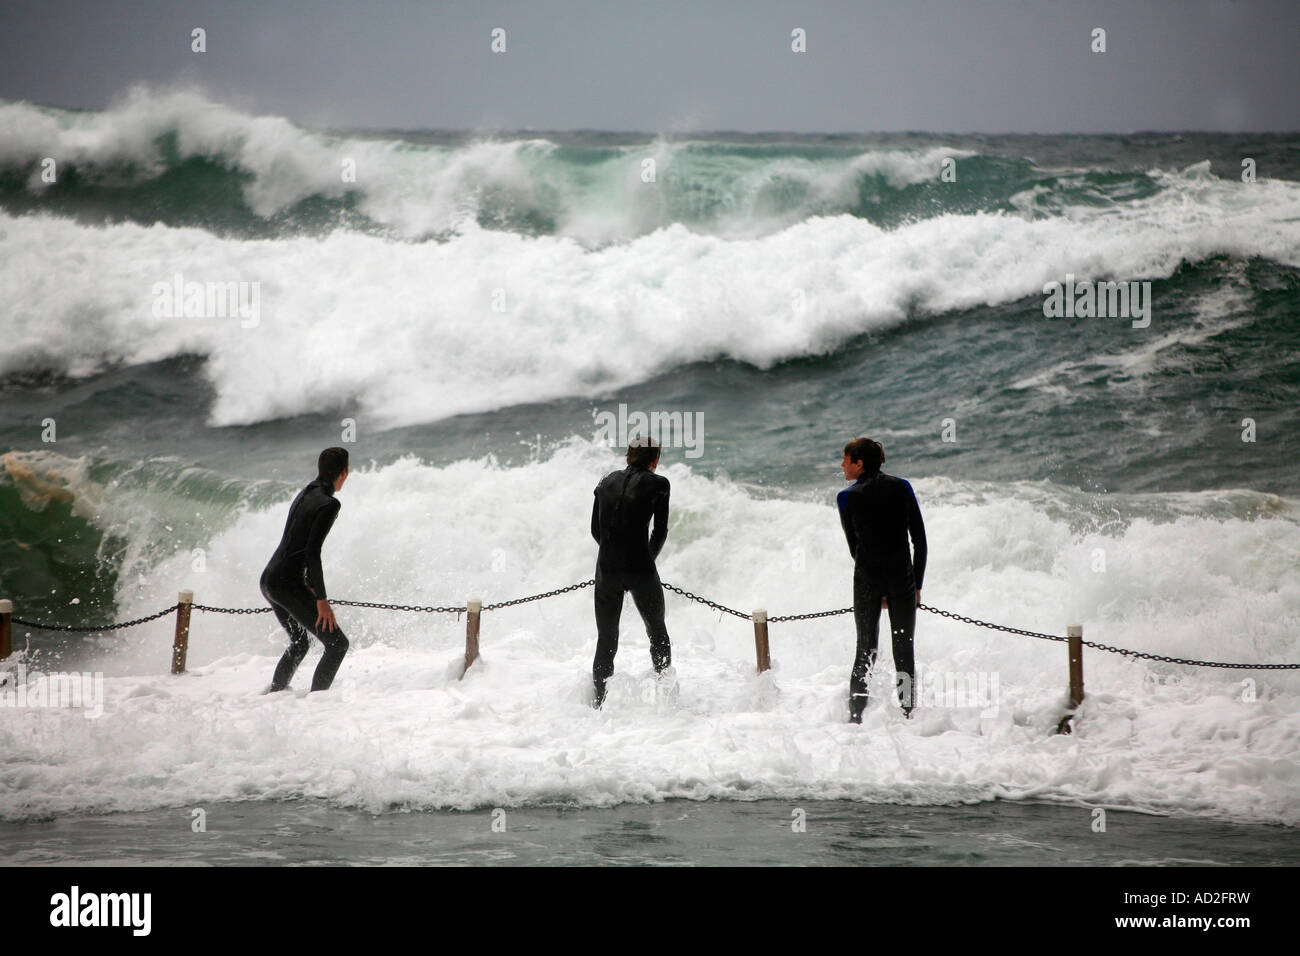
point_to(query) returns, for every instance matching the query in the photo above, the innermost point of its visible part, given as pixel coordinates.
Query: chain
(809, 616)
(1114, 650)
(93, 627)
(1141, 655)
(996, 627)
(231, 610)
(538, 597)
(386, 607)
(1184, 660)
(403, 607)
(706, 601)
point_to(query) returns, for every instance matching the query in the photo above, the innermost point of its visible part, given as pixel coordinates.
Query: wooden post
(759, 618)
(6, 634)
(473, 608)
(181, 646)
(1074, 636)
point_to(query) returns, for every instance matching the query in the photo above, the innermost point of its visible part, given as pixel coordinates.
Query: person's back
(879, 515)
(310, 518)
(624, 504)
(883, 511)
(626, 501)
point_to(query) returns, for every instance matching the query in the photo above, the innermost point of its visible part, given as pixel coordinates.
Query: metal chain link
(809, 616)
(1141, 655)
(538, 597)
(1184, 660)
(996, 627)
(713, 604)
(1144, 655)
(93, 627)
(402, 607)
(376, 604)
(231, 610)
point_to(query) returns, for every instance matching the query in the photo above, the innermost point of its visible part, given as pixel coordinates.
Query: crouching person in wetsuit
(620, 518)
(878, 512)
(293, 581)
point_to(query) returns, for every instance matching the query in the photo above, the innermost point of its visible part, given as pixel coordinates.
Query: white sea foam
(400, 333)
(1208, 575)
(420, 189)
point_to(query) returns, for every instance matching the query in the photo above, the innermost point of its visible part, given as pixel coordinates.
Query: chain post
(181, 645)
(1074, 635)
(760, 640)
(474, 608)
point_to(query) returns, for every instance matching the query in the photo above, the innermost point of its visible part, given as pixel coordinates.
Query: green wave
(731, 188)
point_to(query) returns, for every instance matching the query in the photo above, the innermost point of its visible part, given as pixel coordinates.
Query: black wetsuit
(293, 582)
(625, 501)
(878, 513)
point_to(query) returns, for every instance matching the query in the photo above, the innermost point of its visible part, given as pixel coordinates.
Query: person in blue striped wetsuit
(878, 513)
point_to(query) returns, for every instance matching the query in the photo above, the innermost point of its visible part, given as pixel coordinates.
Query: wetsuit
(878, 513)
(624, 503)
(293, 582)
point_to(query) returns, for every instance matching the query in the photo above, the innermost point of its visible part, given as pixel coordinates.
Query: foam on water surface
(1207, 576)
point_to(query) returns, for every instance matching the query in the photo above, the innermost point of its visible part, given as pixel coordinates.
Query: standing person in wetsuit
(293, 581)
(620, 518)
(878, 513)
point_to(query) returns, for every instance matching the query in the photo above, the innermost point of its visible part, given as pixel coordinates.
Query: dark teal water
(675, 833)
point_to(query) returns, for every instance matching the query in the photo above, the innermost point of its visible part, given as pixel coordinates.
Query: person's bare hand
(325, 617)
(884, 602)
(918, 598)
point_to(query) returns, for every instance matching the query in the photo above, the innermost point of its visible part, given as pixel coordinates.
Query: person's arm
(916, 528)
(595, 514)
(850, 535)
(320, 527)
(660, 532)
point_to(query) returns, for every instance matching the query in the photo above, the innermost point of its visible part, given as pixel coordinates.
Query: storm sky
(668, 66)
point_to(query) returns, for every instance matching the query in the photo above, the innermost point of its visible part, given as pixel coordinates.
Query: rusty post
(761, 651)
(473, 608)
(1074, 641)
(181, 646)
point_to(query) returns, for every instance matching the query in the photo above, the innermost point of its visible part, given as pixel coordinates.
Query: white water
(419, 190)
(1208, 575)
(399, 333)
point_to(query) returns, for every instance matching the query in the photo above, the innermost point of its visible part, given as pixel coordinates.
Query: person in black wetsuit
(624, 503)
(293, 581)
(878, 513)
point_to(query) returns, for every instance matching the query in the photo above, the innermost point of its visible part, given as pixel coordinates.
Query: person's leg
(648, 595)
(609, 607)
(902, 625)
(300, 603)
(336, 646)
(867, 592)
(293, 655)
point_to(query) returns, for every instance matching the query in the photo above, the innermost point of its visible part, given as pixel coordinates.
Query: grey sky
(934, 65)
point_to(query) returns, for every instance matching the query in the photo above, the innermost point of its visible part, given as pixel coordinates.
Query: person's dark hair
(643, 451)
(332, 463)
(869, 452)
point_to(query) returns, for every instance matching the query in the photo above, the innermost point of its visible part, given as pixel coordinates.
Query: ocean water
(672, 833)
(471, 306)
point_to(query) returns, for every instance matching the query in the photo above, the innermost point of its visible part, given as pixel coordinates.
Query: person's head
(332, 466)
(862, 456)
(644, 451)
